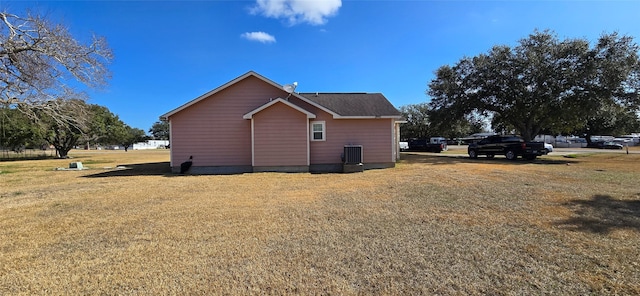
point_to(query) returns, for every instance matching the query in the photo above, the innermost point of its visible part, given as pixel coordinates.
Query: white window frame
(324, 130)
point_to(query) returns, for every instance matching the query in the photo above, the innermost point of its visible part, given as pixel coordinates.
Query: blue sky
(170, 52)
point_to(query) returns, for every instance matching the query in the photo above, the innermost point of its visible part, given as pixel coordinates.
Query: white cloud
(314, 12)
(259, 36)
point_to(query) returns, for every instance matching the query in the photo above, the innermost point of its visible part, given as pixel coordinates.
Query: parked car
(435, 144)
(549, 147)
(611, 145)
(595, 144)
(605, 145)
(404, 146)
(508, 145)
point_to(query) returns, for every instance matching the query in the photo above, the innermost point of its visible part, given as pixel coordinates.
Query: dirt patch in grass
(433, 225)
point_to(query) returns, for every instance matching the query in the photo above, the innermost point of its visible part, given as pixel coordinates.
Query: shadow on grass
(139, 169)
(433, 158)
(603, 214)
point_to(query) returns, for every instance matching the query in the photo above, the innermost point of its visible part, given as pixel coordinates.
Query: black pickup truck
(508, 145)
(426, 145)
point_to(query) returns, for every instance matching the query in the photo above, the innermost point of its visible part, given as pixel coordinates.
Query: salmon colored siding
(280, 137)
(375, 136)
(213, 130)
(242, 126)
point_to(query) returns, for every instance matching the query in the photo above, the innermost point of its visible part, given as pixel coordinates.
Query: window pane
(317, 131)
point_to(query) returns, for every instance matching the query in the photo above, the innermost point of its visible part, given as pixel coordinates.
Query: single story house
(252, 124)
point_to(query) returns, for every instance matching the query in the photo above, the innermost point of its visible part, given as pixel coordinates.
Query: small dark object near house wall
(185, 166)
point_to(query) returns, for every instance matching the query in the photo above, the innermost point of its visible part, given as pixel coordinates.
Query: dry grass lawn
(435, 224)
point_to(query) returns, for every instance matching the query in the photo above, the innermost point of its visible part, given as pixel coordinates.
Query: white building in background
(151, 144)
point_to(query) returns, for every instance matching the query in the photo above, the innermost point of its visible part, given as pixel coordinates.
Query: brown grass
(435, 224)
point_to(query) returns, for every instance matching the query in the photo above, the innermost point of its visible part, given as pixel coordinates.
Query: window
(317, 131)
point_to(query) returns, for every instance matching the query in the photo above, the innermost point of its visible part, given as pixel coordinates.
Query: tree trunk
(63, 152)
(587, 137)
(63, 144)
(526, 134)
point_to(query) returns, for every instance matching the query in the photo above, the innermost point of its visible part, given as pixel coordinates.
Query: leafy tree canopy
(160, 130)
(103, 126)
(422, 124)
(542, 84)
(93, 124)
(63, 134)
(418, 124)
(127, 136)
(16, 131)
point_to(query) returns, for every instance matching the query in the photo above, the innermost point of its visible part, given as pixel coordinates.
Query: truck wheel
(490, 156)
(511, 155)
(473, 154)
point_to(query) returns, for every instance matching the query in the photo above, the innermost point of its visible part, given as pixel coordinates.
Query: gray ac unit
(353, 154)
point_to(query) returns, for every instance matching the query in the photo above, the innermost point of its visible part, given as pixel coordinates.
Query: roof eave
(275, 101)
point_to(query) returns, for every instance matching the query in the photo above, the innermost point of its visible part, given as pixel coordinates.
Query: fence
(6, 154)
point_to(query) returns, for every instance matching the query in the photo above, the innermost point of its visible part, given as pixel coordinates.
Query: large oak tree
(64, 135)
(541, 84)
(94, 124)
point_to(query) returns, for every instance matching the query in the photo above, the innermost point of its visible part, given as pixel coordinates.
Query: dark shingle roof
(354, 104)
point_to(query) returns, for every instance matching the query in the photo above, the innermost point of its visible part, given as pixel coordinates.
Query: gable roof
(232, 82)
(355, 105)
(273, 102)
(339, 105)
